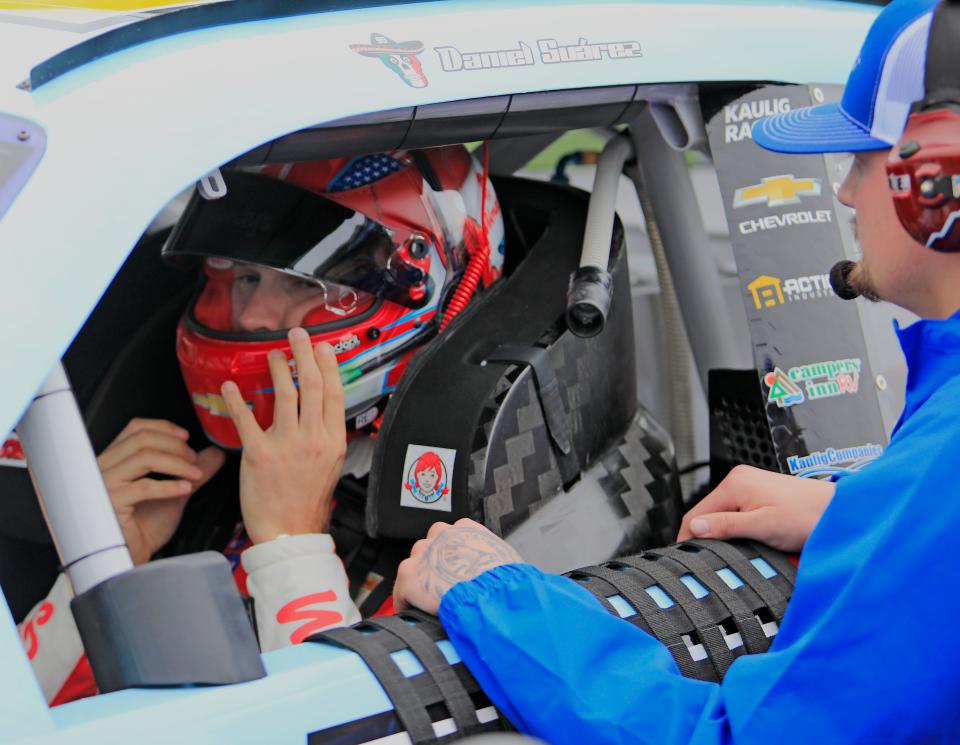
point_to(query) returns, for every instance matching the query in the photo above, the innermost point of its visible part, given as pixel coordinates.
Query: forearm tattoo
(459, 554)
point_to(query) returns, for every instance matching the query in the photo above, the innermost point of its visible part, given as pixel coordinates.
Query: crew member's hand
(448, 555)
(772, 508)
(149, 509)
(289, 471)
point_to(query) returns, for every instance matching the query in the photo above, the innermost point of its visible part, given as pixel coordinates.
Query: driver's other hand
(772, 508)
(448, 555)
(288, 472)
(149, 509)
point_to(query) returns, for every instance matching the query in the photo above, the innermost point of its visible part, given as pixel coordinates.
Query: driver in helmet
(320, 281)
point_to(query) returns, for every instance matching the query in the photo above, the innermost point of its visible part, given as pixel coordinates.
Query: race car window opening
(468, 120)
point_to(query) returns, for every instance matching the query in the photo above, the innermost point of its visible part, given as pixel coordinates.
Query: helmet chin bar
(122, 611)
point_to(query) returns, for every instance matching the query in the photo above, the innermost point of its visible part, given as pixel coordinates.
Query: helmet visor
(254, 301)
(269, 223)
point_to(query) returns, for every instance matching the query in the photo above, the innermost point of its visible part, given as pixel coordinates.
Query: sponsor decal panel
(823, 463)
(819, 380)
(786, 232)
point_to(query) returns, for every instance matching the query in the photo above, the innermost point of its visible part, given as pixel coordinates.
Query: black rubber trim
(192, 19)
(66, 567)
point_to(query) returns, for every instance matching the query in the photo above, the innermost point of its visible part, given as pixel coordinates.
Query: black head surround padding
(444, 397)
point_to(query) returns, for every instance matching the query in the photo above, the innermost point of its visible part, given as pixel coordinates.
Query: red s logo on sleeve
(317, 618)
(28, 631)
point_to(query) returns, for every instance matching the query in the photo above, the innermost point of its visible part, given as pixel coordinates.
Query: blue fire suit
(866, 652)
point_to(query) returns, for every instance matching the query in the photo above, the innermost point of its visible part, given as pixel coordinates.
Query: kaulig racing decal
(404, 60)
(738, 118)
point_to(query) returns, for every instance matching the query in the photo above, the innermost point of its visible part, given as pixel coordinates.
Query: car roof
(128, 129)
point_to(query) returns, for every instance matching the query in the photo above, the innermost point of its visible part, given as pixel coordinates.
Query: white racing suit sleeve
(54, 648)
(299, 587)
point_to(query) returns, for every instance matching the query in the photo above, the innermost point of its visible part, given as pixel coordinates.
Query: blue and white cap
(886, 79)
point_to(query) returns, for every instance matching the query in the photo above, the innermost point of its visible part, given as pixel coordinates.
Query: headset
(924, 166)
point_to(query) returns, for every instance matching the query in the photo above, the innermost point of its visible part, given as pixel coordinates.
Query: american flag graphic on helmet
(364, 170)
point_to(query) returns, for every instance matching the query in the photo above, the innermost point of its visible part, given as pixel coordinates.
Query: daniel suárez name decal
(546, 51)
(403, 57)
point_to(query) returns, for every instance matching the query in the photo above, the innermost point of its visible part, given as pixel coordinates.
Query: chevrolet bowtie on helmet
(372, 255)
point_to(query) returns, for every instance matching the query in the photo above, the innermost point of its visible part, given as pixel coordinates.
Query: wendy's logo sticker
(401, 57)
(428, 472)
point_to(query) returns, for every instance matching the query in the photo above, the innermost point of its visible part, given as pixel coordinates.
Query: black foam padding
(739, 431)
(171, 622)
(440, 692)
(710, 620)
(443, 399)
(27, 572)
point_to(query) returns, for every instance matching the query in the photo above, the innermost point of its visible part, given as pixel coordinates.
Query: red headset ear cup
(214, 306)
(923, 169)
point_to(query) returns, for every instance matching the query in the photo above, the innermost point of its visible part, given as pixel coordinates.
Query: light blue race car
(114, 112)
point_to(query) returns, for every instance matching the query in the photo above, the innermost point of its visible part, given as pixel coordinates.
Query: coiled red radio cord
(479, 249)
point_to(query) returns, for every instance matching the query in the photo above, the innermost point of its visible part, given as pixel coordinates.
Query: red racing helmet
(371, 255)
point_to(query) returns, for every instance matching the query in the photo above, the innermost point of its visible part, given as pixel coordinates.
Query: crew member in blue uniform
(865, 653)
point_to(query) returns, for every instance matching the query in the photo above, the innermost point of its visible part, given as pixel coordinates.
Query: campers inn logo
(819, 380)
(402, 57)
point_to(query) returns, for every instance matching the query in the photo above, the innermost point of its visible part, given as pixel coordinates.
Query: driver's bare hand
(289, 471)
(772, 508)
(149, 509)
(448, 555)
